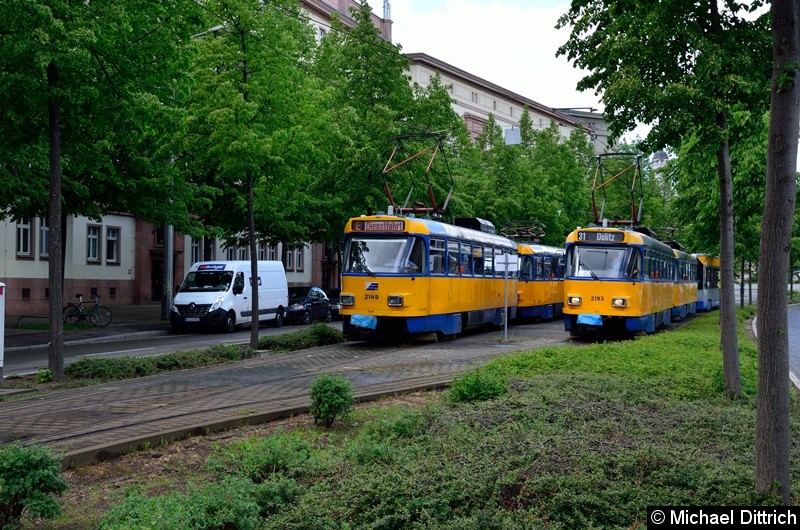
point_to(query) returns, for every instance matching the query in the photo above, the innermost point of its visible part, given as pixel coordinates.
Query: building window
(44, 238)
(474, 97)
(112, 245)
(112, 292)
(244, 255)
(494, 105)
(93, 244)
(230, 253)
(197, 245)
(299, 263)
(511, 111)
(26, 293)
(273, 252)
(158, 236)
(24, 237)
(290, 260)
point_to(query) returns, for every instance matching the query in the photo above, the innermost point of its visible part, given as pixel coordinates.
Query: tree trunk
(727, 290)
(55, 354)
(251, 232)
(773, 439)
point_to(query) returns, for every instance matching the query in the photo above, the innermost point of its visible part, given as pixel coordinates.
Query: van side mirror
(238, 288)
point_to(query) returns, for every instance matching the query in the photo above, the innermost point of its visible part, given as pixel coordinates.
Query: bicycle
(97, 315)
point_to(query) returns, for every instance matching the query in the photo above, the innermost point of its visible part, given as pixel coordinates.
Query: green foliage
(30, 478)
(331, 398)
(44, 376)
(110, 369)
(478, 385)
(261, 459)
(318, 334)
(234, 502)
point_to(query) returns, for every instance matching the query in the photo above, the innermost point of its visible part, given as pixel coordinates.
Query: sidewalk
(126, 320)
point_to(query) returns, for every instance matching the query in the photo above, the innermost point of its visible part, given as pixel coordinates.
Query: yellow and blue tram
(617, 280)
(540, 290)
(707, 282)
(684, 292)
(403, 276)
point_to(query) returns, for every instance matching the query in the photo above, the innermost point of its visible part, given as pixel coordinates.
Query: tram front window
(599, 262)
(403, 255)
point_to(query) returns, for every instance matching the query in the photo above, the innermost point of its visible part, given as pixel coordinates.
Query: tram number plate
(371, 296)
(598, 298)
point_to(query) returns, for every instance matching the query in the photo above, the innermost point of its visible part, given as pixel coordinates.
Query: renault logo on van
(192, 306)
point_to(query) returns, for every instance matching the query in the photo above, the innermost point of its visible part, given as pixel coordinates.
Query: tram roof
(413, 225)
(537, 248)
(619, 236)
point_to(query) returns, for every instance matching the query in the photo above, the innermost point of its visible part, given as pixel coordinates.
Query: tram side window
(539, 267)
(466, 259)
(453, 255)
(548, 270)
(525, 267)
(477, 254)
(488, 262)
(437, 256)
(559, 261)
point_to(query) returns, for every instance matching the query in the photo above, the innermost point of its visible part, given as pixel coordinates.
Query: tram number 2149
(370, 296)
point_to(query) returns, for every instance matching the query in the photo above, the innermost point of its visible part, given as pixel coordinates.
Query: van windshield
(207, 281)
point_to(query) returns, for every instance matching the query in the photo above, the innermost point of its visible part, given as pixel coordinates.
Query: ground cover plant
(580, 437)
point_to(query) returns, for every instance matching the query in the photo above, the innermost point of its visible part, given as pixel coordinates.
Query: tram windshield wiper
(582, 266)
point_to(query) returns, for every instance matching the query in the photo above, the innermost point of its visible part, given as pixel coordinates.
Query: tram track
(88, 424)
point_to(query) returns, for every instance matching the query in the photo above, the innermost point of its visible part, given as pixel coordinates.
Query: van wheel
(307, 317)
(230, 323)
(278, 319)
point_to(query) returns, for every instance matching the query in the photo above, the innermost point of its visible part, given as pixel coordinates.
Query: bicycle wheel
(72, 314)
(103, 315)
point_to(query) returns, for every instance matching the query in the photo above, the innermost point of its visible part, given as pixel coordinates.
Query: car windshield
(207, 281)
(298, 294)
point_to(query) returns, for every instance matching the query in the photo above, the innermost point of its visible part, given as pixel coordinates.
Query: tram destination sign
(378, 226)
(601, 237)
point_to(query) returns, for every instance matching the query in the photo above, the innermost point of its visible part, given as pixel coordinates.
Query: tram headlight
(619, 302)
(395, 300)
(347, 299)
(573, 300)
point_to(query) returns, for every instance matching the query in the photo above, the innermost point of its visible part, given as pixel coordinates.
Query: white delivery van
(219, 294)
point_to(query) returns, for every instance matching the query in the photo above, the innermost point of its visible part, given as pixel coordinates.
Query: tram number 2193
(370, 296)
(597, 298)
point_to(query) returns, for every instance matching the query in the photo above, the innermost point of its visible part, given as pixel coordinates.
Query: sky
(511, 43)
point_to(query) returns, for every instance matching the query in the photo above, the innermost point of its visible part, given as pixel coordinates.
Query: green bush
(44, 376)
(30, 477)
(331, 397)
(130, 367)
(479, 385)
(259, 458)
(232, 503)
(318, 334)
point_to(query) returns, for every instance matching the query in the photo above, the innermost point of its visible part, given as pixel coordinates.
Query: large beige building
(122, 259)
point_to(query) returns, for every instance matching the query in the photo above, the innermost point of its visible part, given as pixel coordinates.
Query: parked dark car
(307, 304)
(336, 304)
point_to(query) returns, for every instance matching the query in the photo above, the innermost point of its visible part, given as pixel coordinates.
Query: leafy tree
(670, 64)
(773, 435)
(371, 101)
(88, 99)
(249, 108)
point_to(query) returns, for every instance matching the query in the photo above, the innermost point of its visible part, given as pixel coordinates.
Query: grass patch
(582, 437)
